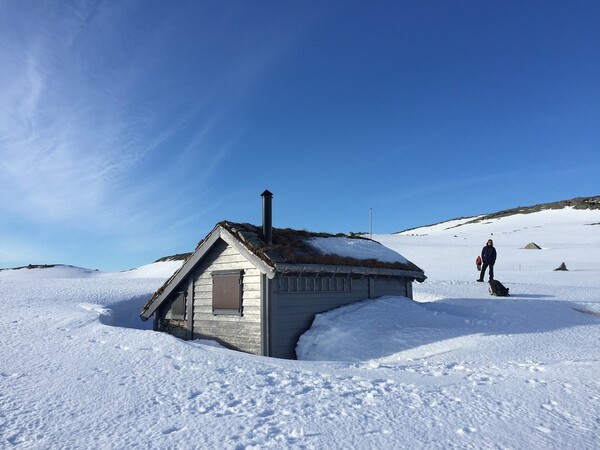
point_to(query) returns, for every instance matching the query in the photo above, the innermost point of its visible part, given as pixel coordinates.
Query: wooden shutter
(227, 292)
(178, 306)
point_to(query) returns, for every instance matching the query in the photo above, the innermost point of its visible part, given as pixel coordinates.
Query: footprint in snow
(266, 413)
(172, 430)
(537, 382)
(550, 406)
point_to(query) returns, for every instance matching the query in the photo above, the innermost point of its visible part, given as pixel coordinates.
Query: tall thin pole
(370, 223)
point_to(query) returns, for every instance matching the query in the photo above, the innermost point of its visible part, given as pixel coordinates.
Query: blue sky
(129, 128)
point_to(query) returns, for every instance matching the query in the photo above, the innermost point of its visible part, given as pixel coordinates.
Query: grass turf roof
(291, 246)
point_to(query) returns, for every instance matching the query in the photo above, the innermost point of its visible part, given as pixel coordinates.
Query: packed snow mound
(398, 328)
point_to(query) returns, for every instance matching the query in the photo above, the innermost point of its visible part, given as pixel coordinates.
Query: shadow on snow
(402, 324)
(126, 314)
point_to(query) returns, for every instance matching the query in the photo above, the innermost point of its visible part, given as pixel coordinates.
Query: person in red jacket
(488, 257)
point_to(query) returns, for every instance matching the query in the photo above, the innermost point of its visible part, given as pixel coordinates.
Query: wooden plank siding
(295, 314)
(238, 332)
(391, 286)
(175, 327)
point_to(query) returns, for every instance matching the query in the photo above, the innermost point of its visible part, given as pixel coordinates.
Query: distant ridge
(36, 266)
(48, 266)
(576, 203)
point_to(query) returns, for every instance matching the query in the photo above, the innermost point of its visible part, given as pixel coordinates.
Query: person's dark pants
(483, 269)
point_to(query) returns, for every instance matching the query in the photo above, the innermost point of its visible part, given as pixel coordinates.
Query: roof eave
(350, 270)
(180, 274)
(261, 264)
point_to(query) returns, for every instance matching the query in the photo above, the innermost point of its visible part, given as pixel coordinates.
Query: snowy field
(457, 368)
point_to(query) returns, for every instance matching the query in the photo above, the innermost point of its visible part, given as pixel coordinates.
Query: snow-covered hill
(162, 269)
(456, 368)
(447, 251)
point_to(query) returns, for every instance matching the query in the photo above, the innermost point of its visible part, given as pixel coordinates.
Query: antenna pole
(370, 223)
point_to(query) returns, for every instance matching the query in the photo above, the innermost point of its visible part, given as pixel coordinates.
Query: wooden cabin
(258, 289)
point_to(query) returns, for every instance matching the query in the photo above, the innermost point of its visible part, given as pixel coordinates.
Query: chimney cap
(266, 193)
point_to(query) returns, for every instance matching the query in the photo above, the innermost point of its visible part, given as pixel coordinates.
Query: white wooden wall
(240, 332)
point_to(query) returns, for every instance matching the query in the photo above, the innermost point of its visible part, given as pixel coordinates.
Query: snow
(356, 248)
(455, 368)
(154, 270)
(58, 271)
(439, 226)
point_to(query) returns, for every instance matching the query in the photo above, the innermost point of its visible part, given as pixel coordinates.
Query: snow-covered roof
(296, 251)
(356, 248)
(300, 247)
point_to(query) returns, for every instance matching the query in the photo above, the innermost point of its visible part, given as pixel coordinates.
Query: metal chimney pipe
(267, 221)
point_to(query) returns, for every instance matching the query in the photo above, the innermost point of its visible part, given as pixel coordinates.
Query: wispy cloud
(102, 128)
(67, 149)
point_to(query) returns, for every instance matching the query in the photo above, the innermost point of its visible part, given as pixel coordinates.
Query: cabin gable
(204, 305)
(240, 330)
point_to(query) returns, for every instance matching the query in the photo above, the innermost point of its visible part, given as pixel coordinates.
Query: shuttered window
(227, 292)
(178, 306)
